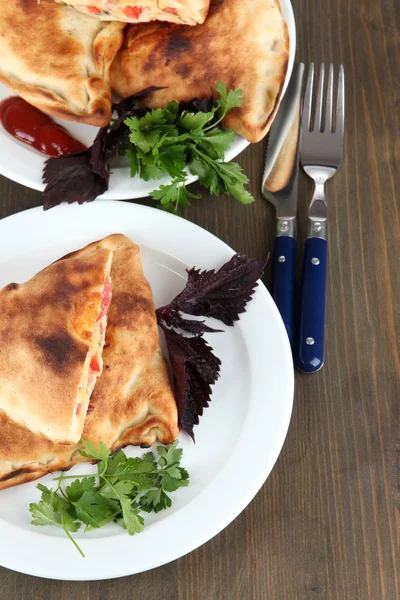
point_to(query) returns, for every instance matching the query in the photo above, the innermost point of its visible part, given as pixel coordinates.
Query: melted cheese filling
(89, 376)
(139, 11)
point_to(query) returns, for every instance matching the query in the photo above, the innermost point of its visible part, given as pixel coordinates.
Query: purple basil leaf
(220, 294)
(195, 368)
(196, 105)
(174, 319)
(71, 179)
(82, 176)
(198, 398)
(128, 105)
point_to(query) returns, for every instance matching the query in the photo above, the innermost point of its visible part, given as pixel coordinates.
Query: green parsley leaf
(130, 467)
(145, 140)
(69, 522)
(228, 100)
(194, 121)
(218, 141)
(231, 172)
(92, 507)
(42, 513)
(132, 519)
(167, 141)
(148, 172)
(171, 111)
(122, 488)
(170, 454)
(173, 195)
(172, 160)
(240, 193)
(174, 472)
(131, 153)
(117, 490)
(79, 487)
(155, 500)
(168, 483)
(155, 118)
(100, 453)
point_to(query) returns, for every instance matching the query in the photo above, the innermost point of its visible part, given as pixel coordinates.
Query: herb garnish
(156, 142)
(222, 295)
(121, 490)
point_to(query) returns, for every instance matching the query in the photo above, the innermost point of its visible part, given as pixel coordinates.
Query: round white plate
(24, 165)
(239, 437)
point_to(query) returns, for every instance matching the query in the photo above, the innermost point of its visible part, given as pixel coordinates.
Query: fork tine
(329, 101)
(320, 97)
(308, 99)
(340, 103)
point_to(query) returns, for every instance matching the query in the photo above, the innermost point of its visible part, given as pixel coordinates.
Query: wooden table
(324, 524)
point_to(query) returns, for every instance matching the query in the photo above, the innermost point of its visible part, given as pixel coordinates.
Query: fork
(321, 151)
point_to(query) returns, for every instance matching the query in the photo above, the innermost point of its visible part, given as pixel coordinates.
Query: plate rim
(119, 188)
(264, 469)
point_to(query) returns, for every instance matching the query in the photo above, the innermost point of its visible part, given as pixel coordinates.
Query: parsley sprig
(122, 489)
(171, 141)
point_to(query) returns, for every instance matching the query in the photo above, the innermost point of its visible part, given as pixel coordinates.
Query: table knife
(279, 186)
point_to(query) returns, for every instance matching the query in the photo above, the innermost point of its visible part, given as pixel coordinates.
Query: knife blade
(279, 186)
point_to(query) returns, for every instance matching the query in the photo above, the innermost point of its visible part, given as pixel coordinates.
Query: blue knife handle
(309, 357)
(284, 267)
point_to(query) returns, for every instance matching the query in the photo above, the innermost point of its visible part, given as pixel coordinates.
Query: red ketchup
(29, 125)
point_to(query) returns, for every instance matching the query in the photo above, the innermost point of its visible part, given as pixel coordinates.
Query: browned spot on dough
(60, 351)
(127, 308)
(177, 44)
(15, 474)
(183, 70)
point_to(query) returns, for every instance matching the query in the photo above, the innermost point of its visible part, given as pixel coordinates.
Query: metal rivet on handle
(315, 261)
(281, 259)
(309, 341)
(284, 226)
(317, 227)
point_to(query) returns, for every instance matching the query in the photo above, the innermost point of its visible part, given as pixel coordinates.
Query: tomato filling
(106, 300)
(93, 10)
(95, 364)
(132, 11)
(170, 10)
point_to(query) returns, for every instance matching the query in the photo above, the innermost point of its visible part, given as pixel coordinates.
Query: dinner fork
(321, 151)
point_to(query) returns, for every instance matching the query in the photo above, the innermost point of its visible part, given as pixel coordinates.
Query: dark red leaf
(174, 319)
(220, 294)
(83, 176)
(71, 179)
(195, 368)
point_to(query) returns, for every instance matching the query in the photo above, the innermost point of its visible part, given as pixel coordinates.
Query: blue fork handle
(309, 356)
(283, 287)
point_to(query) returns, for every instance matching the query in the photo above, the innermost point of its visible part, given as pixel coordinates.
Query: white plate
(24, 165)
(239, 437)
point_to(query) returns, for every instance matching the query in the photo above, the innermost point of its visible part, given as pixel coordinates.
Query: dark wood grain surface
(325, 524)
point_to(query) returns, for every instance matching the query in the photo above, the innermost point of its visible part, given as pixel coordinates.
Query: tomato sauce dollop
(31, 126)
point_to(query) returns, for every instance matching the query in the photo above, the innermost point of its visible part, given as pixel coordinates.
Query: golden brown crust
(245, 46)
(132, 402)
(41, 355)
(58, 59)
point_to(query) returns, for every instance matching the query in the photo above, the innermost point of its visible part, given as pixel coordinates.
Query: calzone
(58, 59)
(132, 401)
(243, 44)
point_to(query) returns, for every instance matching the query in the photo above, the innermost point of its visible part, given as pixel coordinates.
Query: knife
(279, 186)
